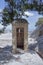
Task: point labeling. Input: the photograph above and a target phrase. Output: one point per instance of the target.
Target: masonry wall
(14, 37)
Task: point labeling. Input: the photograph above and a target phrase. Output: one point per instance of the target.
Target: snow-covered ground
(40, 44)
(29, 58)
(31, 40)
(8, 58)
(5, 39)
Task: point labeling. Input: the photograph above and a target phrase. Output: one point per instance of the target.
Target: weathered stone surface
(16, 25)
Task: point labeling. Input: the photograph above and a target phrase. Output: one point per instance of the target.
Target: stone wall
(14, 37)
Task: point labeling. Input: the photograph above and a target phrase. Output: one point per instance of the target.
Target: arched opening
(20, 38)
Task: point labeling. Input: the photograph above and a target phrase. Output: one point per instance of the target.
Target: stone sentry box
(20, 34)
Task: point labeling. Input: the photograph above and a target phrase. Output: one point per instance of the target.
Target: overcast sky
(32, 19)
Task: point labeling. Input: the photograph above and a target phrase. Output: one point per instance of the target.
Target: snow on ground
(6, 36)
(31, 40)
(14, 63)
(28, 58)
(5, 39)
(31, 59)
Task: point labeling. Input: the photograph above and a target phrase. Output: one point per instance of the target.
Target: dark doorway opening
(20, 38)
